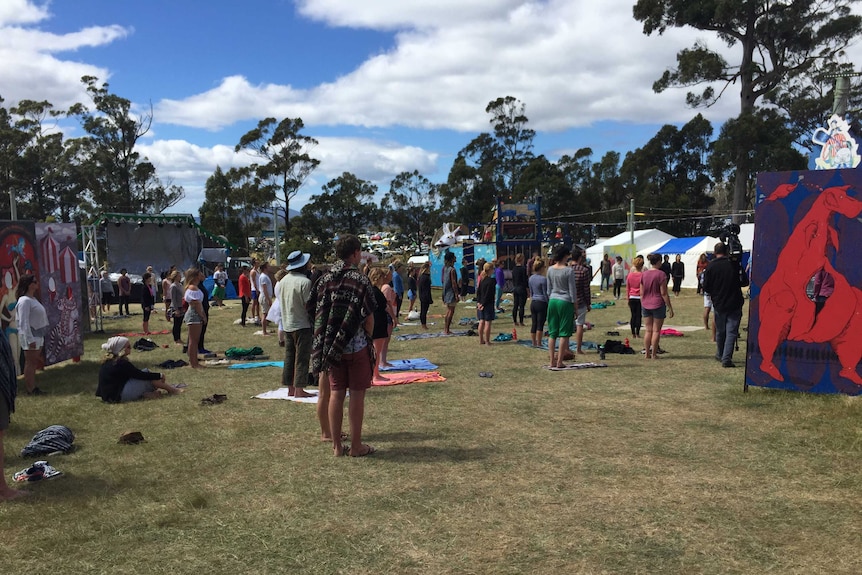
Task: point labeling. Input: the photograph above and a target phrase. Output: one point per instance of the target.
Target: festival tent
(746, 236)
(642, 239)
(689, 249)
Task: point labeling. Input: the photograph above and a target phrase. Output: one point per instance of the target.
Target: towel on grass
(427, 335)
(684, 327)
(253, 364)
(410, 365)
(669, 331)
(409, 377)
(281, 393)
(572, 344)
(585, 365)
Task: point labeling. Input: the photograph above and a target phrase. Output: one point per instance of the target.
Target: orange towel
(409, 377)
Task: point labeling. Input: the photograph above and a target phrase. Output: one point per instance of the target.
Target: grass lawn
(661, 466)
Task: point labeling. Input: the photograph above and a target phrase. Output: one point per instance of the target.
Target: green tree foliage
(777, 41)
(670, 175)
(544, 178)
(513, 142)
(286, 152)
(235, 204)
(412, 204)
(469, 193)
(115, 175)
(345, 206)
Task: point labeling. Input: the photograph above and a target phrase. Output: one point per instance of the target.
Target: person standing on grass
(723, 280)
(292, 294)
(343, 309)
(485, 294)
(423, 286)
(520, 291)
(619, 272)
(265, 290)
(412, 287)
(195, 315)
(500, 278)
(205, 303)
(707, 309)
(450, 290)
(605, 268)
(107, 289)
(655, 305)
(148, 300)
(702, 262)
(465, 280)
(665, 267)
(397, 284)
(382, 319)
(538, 302)
(32, 329)
(391, 317)
(677, 274)
(244, 292)
(8, 393)
(633, 294)
(254, 277)
(175, 298)
(219, 285)
(561, 304)
(166, 292)
(582, 305)
(124, 287)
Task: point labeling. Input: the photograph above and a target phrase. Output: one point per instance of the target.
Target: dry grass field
(648, 467)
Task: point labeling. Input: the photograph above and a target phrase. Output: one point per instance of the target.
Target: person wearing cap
(120, 381)
(292, 294)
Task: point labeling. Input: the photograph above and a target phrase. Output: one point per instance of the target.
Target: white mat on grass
(281, 393)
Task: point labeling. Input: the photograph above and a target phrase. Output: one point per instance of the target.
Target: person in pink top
(655, 305)
(633, 294)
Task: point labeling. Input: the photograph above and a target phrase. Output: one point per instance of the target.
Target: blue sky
(385, 85)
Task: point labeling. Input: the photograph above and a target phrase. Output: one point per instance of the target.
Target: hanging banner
(17, 258)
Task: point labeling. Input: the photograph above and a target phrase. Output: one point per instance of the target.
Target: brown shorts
(354, 371)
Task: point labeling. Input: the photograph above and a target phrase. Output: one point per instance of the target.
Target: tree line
(790, 54)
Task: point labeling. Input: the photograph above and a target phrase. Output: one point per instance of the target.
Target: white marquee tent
(643, 239)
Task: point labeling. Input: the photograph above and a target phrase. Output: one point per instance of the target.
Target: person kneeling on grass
(120, 381)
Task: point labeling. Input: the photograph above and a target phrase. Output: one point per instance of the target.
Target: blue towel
(419, 364)
(257, 364)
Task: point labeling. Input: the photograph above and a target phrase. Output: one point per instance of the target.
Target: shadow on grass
(402, 437)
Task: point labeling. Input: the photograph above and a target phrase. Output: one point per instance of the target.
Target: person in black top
(677, 273)
(148, 300)
(412, 288)
(665, 267)
(465, 280)
(723, 281)
(423, 286)
(120, 381)
(519, 290)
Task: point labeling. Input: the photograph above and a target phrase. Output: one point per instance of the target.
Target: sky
(384, 86)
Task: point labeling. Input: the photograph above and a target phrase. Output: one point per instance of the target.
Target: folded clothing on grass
(409, 377)
(410, 365)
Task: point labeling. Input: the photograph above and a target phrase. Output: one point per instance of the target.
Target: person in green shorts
(561, 303)
(219, 285)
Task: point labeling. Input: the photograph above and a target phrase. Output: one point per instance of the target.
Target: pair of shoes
(203, 351)
(728, 364)
(37, 391)
(214, 399)
(486, 374)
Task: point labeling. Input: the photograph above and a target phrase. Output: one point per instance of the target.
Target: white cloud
(189, 165)
(32, 68)
(572, 62)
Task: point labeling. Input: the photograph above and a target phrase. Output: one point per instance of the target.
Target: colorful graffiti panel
(60, 290)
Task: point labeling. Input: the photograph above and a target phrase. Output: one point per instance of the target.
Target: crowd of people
(336, 324)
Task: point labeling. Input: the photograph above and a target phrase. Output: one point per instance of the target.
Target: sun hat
(296, 260)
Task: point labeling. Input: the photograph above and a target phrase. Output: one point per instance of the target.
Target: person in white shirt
(219, 285)
(32, 329)
(265, 291)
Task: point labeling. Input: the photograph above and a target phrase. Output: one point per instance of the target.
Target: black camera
(729, 236)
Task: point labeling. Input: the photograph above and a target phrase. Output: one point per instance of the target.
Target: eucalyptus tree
(778, 41)
(346, 205)
(286, 153)
(412, 204)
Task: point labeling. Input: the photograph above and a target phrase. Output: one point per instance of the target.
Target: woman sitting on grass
(120, 381)
(485, 294)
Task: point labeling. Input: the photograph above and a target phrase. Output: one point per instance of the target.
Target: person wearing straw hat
(292, 294)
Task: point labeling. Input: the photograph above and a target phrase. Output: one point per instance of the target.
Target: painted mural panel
(60, 290)
(17, 258)
(805, 317)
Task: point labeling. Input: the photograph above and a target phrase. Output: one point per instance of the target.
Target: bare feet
(580, 352)
(174, 390)
(379, 377)
(302, 393)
